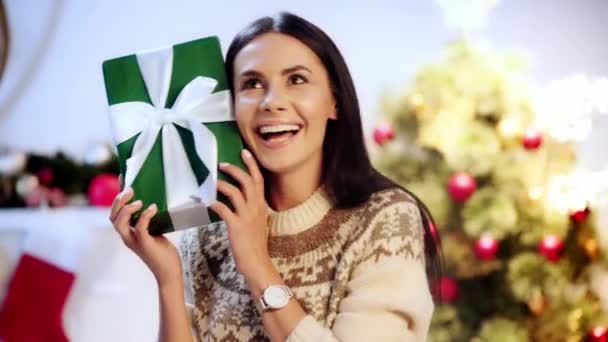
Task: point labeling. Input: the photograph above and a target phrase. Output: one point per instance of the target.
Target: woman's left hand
(248, 223)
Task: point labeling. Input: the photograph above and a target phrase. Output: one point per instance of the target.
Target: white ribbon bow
(195, 104)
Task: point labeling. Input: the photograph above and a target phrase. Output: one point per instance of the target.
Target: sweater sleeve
(184, 250)
(387, 296)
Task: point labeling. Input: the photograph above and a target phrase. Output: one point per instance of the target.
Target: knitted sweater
(358, 273)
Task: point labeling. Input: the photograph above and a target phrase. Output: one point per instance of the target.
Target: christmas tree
(518, 236)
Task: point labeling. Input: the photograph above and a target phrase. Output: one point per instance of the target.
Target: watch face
(276, 297)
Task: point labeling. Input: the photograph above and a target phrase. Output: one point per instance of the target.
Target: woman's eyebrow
(295, 68)
(255, 73)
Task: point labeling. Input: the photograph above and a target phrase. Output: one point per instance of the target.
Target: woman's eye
(251, 83)
(297, 79)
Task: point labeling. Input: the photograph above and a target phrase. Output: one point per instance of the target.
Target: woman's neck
(290, 189)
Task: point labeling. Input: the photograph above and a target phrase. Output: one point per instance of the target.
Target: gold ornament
(509, 128)
(592, 248)
(416, 102)
(537, 304)
(535, 193)
(586, 240)
(574, 319)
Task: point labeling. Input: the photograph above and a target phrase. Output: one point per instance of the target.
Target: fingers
(141, 228)
(121, 224)
(242, 177)
(254, 170)
(119, 201)
(223, 211)
(233, 193)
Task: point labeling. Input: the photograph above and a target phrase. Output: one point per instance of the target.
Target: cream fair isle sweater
(359, 273)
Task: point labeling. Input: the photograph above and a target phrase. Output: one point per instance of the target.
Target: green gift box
(172, 122)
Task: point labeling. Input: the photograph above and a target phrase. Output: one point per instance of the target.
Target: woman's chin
(276, 166)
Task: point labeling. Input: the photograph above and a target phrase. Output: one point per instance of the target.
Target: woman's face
(283, 100)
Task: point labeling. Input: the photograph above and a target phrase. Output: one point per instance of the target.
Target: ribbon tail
(183, 203)
(141, 149)
(156, 68)
(180, 180)
(206, 149)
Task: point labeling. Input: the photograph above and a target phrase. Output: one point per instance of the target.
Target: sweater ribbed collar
(301, 217)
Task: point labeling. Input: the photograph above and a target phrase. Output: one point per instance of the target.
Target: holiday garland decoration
(517, 228)
(35, 180)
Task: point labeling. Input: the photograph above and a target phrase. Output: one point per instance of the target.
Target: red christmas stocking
(36, 295)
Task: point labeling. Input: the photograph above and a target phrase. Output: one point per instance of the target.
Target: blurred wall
(53, 96)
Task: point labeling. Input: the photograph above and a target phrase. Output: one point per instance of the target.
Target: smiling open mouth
(277, 132)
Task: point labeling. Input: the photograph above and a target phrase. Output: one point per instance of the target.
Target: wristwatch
(274, 297)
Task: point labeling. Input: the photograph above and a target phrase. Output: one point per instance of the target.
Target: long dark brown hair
(344, 144)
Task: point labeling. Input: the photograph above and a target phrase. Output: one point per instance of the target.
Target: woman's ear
(334, 113)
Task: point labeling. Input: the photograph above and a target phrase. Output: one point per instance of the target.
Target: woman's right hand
(157, 252)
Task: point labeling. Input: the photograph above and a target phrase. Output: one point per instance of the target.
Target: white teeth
(278, 128)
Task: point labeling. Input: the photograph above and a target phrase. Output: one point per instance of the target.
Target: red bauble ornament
(102, 190)
(486, 247)
(447, 289)
(461, 186)
(551, 247)
(57, 198)
(383, 133)
(45, 176)
(36, 197)
(532, 139)
(598, 334)
(580, 216)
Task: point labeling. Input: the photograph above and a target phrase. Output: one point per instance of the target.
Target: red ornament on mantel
(486, 247)
(551, 247)
(36, 197)
(532, 139)
(102, 190)
(461, 186)
(598, 334)
(580, 216)
(383, 133)
(45, 176)
(57, 198)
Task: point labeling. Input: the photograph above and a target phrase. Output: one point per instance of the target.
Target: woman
(319, 245)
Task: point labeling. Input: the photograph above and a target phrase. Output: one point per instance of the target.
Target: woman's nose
(274, 100)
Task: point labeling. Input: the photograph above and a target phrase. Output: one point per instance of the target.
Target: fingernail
(126, 192)
(224, 164)
(247, 154)
(136, 203)
(152, 207)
